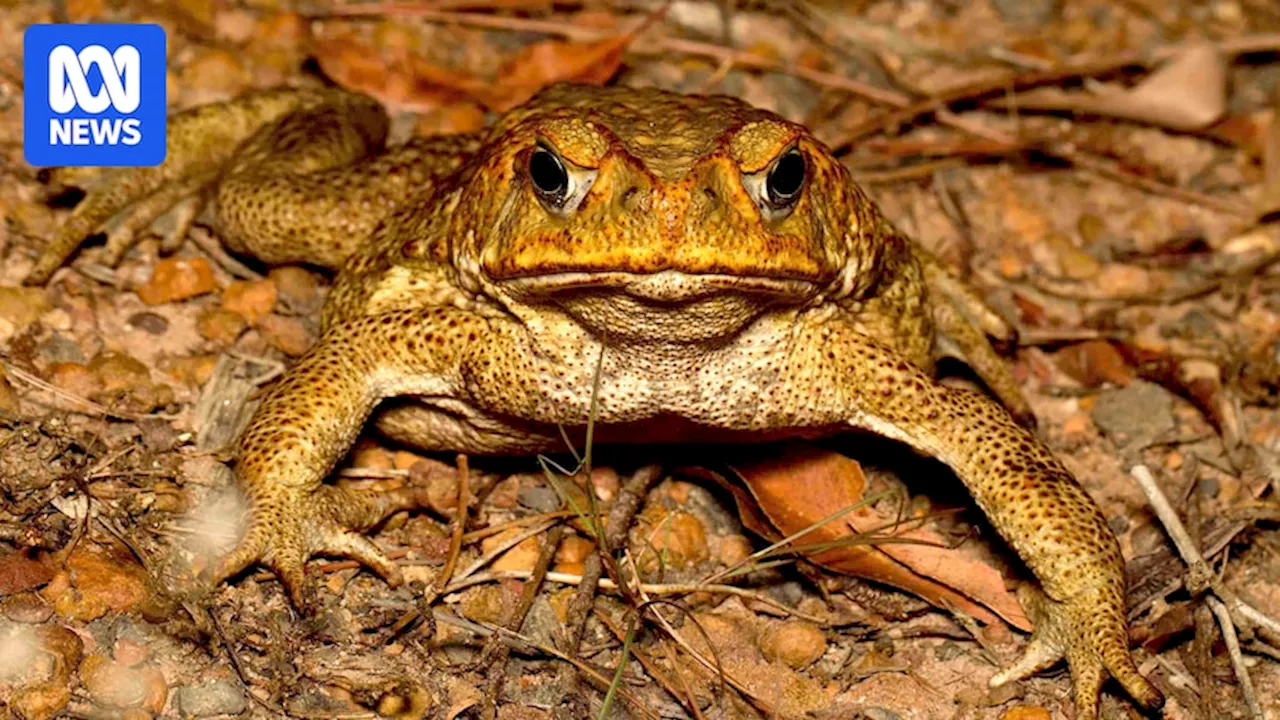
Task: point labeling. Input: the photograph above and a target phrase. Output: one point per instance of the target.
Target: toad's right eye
(549, 176)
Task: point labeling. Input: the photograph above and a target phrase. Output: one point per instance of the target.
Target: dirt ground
(1107, 172)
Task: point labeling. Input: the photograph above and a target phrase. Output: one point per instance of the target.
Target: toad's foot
(1091, 638)
(292, 524)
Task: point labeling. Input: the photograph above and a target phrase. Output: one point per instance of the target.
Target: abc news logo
(69, 89)
(94, 95)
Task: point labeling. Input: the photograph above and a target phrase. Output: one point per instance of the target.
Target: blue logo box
(94, 94)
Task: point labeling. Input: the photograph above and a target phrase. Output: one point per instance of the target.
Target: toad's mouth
(666, 286)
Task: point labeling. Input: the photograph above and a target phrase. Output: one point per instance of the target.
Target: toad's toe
(292, 525)
(1089, 631)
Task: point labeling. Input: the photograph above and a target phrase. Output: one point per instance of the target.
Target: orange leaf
(19, 572)
(944, 576)
(396, 78)
(554, 61)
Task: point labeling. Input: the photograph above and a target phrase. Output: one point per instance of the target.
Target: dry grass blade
(517, 640)
(625, 656)
(783, 544)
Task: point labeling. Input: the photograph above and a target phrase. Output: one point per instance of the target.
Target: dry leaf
(19, 572)
(554, 61)
(944, 576)
(398, 79)
(1094, 362)
(1187, 93)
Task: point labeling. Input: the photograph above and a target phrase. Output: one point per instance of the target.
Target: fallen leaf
(1187, 93)
(398, 79)
(1094, 362)
(554, 61)
(925, 566)
(20, 572)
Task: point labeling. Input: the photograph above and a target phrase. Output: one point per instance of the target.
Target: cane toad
(721, 267)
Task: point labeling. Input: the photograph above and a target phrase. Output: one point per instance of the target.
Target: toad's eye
(549, 176)
(786, 179)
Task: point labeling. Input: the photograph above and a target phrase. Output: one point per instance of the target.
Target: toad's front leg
(1029, 496)
(309, 420)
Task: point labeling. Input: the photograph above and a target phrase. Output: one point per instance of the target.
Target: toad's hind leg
(296, 175)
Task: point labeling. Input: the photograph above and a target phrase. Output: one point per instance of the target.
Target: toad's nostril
(633, 198)
(710, 192)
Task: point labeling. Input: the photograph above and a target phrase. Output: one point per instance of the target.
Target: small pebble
(149, 322)
(117, 685)
(733, 549)
(22, 306)
(286, 334)
(539, 498)
(484, 603)
(220, 326)
(251, 300)
(211, 698)
(521, 557)
(75, 378)
(795, 643)
(299, 289)
(26, 607)
(678, 536)
(59, 348)
(574, 548)
(177, 279)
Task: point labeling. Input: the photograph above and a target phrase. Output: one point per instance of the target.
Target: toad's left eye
(786, 179)
(549, 176)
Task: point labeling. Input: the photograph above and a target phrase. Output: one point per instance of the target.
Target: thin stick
(459, 526)
(516, 640)
(649, 588)
(496, 674)
(1237, 658)
(1201, 577)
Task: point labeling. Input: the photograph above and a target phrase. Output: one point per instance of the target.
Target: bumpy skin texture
(469, 314)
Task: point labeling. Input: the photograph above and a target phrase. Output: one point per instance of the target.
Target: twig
(1066, 151)
(502, 547)
(207, 244)
(1017, 81)
(1201, 656)
(690, 703)
(18, 373)
(650, 588)
(1200, 578)
(459, 526)
(517, 640)
(620, 515)
(1237, 658)
(497, 671)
